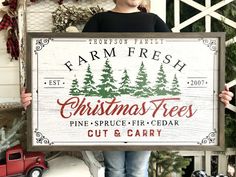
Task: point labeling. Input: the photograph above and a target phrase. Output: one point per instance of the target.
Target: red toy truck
(18, 162)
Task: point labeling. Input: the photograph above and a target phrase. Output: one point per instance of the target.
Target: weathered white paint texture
(193, 61)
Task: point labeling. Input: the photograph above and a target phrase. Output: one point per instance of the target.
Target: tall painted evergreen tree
(160, 85)
(107, 89)
(142, 88)
(125, 87)
(74, 90)
(175, 87)
(89, 89)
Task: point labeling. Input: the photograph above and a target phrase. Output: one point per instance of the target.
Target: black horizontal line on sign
(58, 40)
(196, 87)
(53, 87)
(197, 77)
(53, 77)
(181, 40)
(66, 142)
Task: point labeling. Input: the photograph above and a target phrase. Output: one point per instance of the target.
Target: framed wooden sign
(125, 91)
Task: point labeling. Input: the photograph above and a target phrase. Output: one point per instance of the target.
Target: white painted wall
(9, 73)
(159, 7)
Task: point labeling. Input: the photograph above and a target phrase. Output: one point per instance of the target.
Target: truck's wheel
(35, 172)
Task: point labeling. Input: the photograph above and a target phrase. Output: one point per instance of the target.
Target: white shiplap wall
(9, 74)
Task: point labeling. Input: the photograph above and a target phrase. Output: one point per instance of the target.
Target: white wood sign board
(126, 91)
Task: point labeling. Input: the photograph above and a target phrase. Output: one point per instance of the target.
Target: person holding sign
(226, 96)
(126, 17)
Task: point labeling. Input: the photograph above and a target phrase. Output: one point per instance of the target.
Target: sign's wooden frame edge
(221, 75)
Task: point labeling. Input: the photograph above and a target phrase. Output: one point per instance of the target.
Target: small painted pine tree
(125, 87)
(74, 90)
(107, 89)
(175, 87)
(142, 89)
(89, 89)
(160, 85)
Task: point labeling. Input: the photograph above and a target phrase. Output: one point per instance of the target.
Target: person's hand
(25, 98)
(226, 96)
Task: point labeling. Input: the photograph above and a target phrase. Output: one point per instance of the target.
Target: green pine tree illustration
(107, 89)
(89, 89)
(74, 90)
(160, 84)
(175, 87)
(142, 89)
(125, 87)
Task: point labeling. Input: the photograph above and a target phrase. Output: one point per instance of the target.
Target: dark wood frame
(221, 75)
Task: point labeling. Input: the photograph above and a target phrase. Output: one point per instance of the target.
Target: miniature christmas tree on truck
(19, 162)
